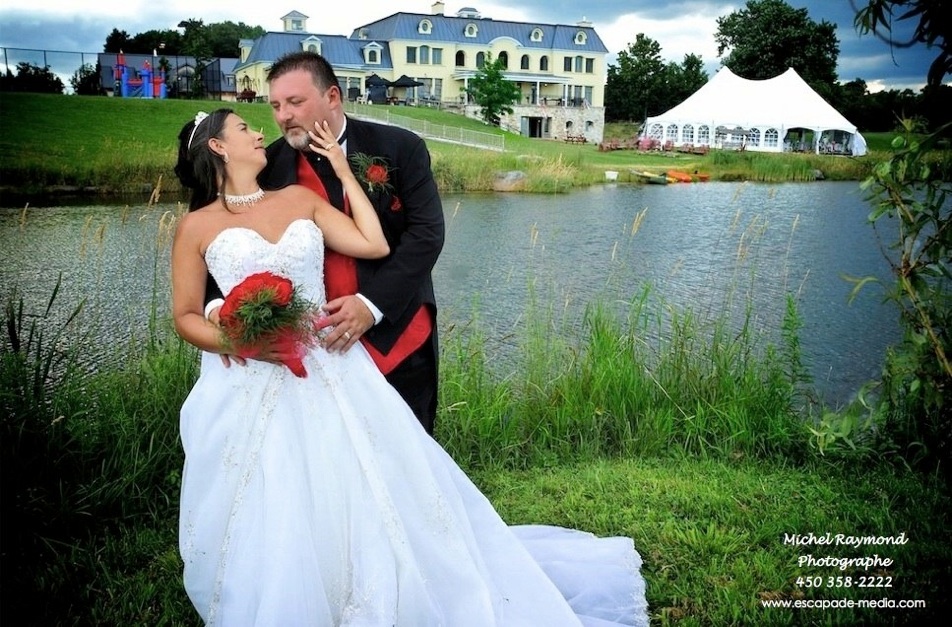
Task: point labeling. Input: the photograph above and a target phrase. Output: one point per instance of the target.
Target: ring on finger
(328, 146)
(347, 335)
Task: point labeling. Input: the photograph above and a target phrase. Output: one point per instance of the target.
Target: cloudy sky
(679, 26)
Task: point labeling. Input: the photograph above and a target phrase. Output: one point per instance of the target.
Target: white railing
(426, 129)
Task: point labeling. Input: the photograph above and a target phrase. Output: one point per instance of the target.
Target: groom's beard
(297, 138)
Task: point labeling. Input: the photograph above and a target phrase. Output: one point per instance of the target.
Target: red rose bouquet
(265, 310)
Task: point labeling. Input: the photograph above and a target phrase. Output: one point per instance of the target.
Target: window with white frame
(544, 64)
(471, 30)
(581, 38)
(411, 54)
(312, 44)
(524, 62)
(536, 34)
(436, 56)
(753, 139)
(372, 53)
(425, 55)
(425, 27)
(771, 138)
(704, 135)
(687, 134)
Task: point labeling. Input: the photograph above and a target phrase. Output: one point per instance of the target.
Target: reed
(658, 379)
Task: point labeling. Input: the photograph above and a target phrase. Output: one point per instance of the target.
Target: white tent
(771, 115)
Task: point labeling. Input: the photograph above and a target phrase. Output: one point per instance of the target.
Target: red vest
(340, 279)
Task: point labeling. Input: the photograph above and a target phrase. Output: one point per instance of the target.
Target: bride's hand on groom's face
(324, 143)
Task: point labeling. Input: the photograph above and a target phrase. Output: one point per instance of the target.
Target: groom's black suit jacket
(399, 283)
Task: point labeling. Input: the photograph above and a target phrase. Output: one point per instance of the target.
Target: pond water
(709, 247)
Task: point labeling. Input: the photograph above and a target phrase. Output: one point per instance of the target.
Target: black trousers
(416, 380)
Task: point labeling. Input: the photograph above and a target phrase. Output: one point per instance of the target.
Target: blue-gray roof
(338, 49)
(451, 29)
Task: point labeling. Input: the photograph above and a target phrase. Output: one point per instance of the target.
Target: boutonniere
(371, 171)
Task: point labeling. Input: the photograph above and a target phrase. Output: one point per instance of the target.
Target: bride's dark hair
(198, 167)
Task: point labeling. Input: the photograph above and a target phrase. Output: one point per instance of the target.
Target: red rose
(377, 174)
(395, 204)
(283, 290)
(263, 310)
(227, 312)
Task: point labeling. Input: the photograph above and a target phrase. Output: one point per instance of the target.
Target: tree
(33, 78)
(223, 37)
(635, 86)
(681, 81)
(117, 41)
(169, 41)
(914, 413)
(85, 80)
(492, 92)
(767, 37)
(934, 27)
(196, 45)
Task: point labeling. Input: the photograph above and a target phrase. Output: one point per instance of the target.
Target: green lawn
(129, 146)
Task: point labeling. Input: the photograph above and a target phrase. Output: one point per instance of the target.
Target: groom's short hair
(318, 67)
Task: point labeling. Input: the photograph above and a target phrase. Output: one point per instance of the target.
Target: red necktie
(340, 279)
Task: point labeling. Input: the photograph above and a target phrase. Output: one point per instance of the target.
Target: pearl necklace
(245, 200)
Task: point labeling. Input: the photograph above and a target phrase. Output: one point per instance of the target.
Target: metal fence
(61, 63)
(424, 128)
(65, 65)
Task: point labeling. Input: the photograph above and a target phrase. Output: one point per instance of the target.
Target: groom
(387, 304)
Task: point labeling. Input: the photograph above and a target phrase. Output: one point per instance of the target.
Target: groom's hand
(350, 318)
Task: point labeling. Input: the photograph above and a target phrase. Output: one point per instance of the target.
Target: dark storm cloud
(865, 57)
(72, 34)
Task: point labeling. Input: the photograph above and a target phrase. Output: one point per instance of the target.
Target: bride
(321, 501)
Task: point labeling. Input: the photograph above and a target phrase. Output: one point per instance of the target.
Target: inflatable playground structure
(142, 83)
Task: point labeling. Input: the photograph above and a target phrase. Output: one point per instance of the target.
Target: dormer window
(580, 38)
(373, 53)
(363, 34)
(425, 27)
(312, 44)
(536, 34)
(471, 30)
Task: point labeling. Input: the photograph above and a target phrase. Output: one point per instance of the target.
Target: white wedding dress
(321, 501)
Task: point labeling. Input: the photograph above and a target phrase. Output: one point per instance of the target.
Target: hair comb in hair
(201, 115)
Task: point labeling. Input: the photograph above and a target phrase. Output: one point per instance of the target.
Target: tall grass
(659, 380)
